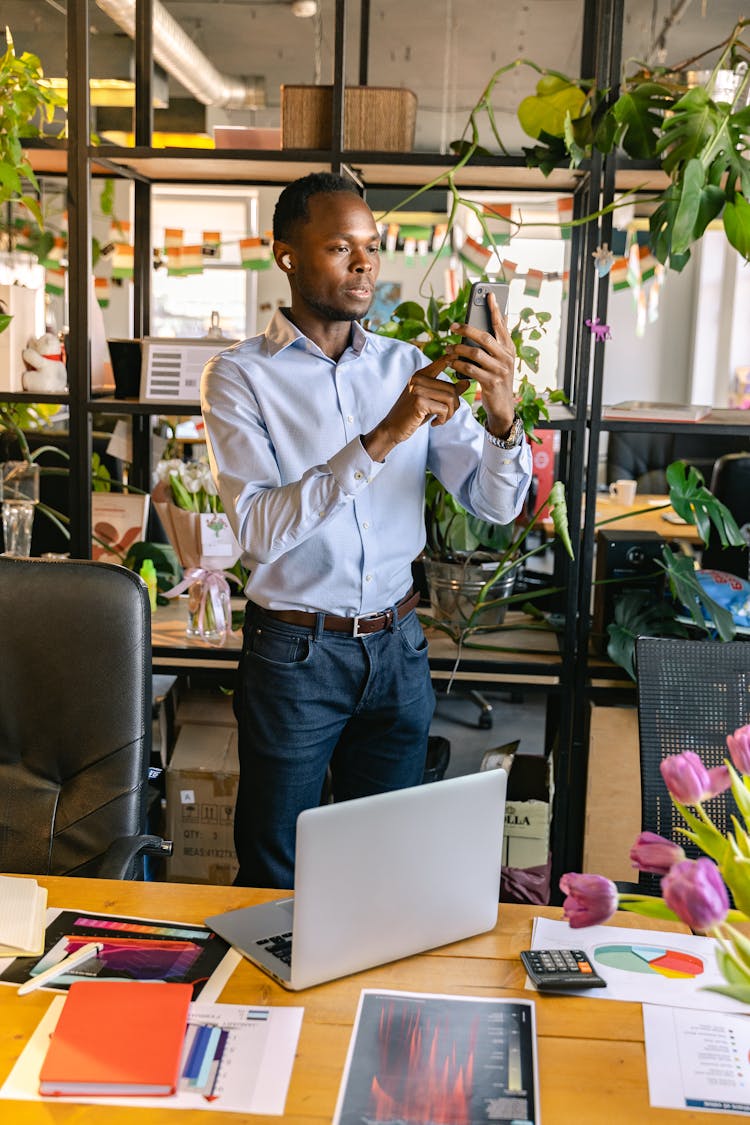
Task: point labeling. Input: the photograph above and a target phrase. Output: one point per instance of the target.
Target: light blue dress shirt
(321, 525)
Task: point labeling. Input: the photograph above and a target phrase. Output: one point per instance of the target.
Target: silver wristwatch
(514, 438)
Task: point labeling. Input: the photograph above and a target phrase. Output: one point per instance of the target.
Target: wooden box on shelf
(378, 118)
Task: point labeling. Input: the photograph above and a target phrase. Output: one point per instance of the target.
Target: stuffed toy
(45, 371)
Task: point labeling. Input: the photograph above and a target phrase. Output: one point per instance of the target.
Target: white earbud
(286, 261)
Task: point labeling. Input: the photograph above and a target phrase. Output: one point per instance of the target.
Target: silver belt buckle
(356, 631)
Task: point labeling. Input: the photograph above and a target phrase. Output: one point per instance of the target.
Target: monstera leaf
(639, 113)
(691, 499)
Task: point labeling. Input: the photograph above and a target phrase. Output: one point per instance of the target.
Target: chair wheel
(484, 722)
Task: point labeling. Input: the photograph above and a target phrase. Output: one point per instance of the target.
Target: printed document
(697, 1060)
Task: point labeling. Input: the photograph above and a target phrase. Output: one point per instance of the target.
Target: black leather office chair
(75, 719)
(644, 457)
(691, 695)
(730, 483)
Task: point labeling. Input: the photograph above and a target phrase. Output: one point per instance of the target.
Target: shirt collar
(281, 333)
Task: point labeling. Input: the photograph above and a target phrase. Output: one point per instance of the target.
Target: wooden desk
(591, 1055)
(650, 519)
(646, 513)
(534, 660)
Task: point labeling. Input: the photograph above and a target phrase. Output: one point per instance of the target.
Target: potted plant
(471, 564)
(25, 103)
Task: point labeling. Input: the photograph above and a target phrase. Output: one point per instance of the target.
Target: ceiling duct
(175, 51)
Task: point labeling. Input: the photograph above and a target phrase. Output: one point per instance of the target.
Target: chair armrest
(118, 862)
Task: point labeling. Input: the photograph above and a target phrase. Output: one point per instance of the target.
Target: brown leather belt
(354, 626)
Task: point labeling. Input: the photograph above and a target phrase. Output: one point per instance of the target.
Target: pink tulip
(719, 780)
(654, 854)
(591, 899)
(688, 780)
(739, 749)
(695, 891)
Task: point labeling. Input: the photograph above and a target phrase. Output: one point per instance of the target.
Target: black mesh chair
(730, 483)
(691, 695)
(75, 719)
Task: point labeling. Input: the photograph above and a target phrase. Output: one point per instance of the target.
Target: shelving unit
(573, 678)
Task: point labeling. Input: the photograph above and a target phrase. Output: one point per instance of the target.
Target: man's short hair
(292, 205)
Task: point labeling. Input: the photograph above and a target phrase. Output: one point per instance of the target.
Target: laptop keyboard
(280, 945)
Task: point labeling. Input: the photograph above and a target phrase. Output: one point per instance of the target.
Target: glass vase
(215, 605)
(19, 489)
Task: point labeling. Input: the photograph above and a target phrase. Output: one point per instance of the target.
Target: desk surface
(591, 1054)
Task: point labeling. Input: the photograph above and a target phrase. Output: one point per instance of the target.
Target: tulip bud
(739, 749)
(695, 891)
(654, 854)
(591, 899)
(688, 780)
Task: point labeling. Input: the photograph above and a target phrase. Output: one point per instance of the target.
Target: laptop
(379, 878)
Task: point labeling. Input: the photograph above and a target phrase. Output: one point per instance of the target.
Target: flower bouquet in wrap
(194, 520)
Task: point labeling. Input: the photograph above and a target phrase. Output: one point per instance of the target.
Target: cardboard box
(212, 708)
(202, 783)
(378, 118)
(613, 793)
(528, 811)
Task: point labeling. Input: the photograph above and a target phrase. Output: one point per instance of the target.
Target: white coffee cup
(623, 491)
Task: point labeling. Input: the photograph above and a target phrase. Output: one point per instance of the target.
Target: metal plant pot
(455, 587)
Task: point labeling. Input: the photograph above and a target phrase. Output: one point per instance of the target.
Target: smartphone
(478, 311)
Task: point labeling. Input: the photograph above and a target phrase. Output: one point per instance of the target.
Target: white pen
(82, 954)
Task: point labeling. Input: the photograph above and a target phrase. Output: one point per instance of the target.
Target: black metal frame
(582, 379)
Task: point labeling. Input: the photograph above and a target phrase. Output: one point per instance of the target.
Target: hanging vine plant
(701, 142)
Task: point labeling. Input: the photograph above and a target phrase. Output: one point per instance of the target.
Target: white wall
(656, 366)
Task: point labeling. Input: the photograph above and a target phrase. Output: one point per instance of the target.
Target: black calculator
(560, 970)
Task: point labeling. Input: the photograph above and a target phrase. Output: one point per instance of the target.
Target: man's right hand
(424, 397)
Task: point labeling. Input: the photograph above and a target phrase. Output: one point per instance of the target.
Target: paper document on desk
(133, 949)
(651, 966)
(697, 1060)
(23, 905)
(236, 1058)
(423, 1058)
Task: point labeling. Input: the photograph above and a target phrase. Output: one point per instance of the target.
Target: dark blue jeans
(307, 698)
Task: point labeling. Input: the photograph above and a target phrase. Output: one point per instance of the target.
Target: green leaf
(547, 110)
(737, 225)
(739, 992)
(687, 589)
(639, 113)
(637, 614)
(409, 310)
(711, 202)
(697, 505)
(648, 907)
(688, 206)
(5, 320)
(559, 512)
(547, 155)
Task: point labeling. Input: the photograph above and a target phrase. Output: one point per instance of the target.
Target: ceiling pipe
(175, 51)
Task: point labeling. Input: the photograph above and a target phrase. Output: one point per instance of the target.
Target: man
(319, 434)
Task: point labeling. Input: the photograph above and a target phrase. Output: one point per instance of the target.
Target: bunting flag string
(474, 254)
(533, 286)
(255, 254)
(102, 291)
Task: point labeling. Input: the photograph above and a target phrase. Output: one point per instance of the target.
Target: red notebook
(117, 1037)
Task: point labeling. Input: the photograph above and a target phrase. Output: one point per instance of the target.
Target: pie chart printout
(650, 959)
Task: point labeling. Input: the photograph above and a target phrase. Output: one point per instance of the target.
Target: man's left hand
(491, 364)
